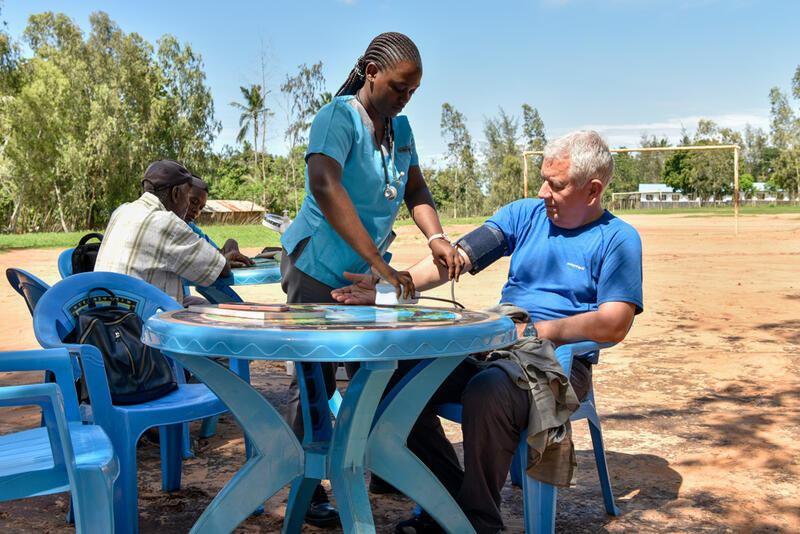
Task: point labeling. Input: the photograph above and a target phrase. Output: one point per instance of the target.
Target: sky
(622, 67)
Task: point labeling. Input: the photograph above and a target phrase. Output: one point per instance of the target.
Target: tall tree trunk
(60, 209)
(294, 184)
(12, 225)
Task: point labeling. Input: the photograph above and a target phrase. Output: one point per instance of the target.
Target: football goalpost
(735, 148)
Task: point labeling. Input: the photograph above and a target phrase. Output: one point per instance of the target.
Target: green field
(256, 235)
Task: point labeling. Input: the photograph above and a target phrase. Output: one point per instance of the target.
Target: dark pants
(495, 411)
(301, 288)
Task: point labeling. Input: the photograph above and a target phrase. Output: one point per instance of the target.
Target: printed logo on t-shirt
(576, 266)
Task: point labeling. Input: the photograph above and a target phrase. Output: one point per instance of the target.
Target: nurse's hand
(401, 280)
(447, 256)
(361, 292)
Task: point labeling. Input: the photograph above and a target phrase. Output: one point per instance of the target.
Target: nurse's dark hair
(386, 50)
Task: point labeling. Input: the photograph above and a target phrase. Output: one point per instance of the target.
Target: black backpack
(84, 255)
(136, 373)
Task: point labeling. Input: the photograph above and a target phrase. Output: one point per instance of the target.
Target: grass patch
(41, 240)
(253, 235)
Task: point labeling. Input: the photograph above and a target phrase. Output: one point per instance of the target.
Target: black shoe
(419, 524)
(379, 486)
(320, 513)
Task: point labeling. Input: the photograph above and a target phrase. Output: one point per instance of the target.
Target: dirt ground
(700, 405)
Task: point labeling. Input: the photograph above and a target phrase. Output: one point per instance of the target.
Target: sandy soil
(700, 405)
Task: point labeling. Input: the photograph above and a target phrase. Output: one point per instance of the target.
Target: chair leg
(94, 502)
(540, 506)
(126, 504)
(209, 426)
(517, 470)
(186, 442)
(171, 441)
(602, 468)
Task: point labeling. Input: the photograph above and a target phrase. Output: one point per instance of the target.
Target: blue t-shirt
(557, 273)
(343, 131)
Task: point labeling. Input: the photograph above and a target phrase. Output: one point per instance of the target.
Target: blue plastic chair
(64, 455)
(65, 263)
(539, 498)
(53, 320)
(27, 285)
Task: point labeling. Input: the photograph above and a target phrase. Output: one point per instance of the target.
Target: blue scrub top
(343, 131)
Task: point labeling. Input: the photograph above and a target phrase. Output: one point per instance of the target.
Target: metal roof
(228, 206)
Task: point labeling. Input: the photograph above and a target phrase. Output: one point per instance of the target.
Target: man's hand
(235, 258)
(361, 292)
(447, 256)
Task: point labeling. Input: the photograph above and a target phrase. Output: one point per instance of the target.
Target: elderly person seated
(149, 238)
(576, 270)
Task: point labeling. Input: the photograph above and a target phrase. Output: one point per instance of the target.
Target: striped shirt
(147, 241)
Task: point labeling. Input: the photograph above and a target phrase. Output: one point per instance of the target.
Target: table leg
(389, 457)
(350, 435)
(280, 456)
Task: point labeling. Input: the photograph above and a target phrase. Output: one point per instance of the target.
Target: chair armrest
(565, 353)
(56, 360)
(94, 372)
(48, 397)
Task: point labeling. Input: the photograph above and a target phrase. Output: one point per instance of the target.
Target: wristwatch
(437, 236)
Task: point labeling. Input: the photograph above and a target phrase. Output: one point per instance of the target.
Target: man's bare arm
(427, 274)
(609, 324)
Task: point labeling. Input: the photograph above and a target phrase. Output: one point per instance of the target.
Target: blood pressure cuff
(483, 246)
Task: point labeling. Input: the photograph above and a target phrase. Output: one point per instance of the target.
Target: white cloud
(629, 134)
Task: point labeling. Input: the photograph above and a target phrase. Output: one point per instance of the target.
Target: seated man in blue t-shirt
(575, 268)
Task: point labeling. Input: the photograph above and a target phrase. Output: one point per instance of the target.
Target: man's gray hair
(588, 154)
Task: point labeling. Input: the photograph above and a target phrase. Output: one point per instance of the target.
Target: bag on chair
(84, 255)
(136, 372)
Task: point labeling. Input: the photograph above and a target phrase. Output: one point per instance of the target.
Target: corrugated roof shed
(228, 206)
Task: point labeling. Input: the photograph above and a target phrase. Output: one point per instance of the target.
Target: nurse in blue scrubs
(362, 164)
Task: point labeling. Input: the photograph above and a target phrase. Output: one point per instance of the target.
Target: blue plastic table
(377, 336)
(265, 271)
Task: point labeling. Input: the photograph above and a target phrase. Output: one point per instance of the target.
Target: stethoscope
(389, 191)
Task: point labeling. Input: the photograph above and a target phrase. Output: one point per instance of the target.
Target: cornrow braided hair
(386, 50)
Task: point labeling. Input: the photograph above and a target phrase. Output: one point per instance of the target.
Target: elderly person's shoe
(320, 513)
(419, 524)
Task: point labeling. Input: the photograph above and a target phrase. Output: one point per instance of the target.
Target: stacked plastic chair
(63, 454)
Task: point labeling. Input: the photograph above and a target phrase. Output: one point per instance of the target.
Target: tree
(503, 163)
(785, 133)
(462, 159)
(91, 113)
(306, 98)
(626, 178)
(254, 112)
(651, 164)
(535, 140)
